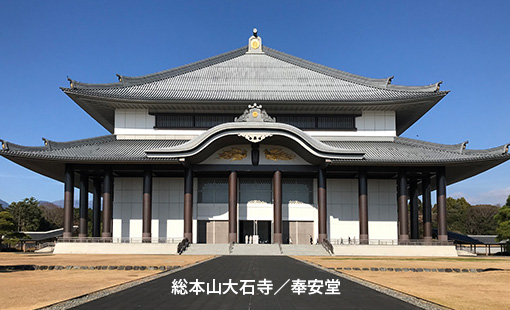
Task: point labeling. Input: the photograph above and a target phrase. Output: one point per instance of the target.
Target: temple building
(255, 144)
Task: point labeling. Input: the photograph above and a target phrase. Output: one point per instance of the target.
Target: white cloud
(493, 197)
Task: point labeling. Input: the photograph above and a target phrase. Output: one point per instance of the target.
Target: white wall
(382, 209)
(376, 123)
(138, 124)
(134, 119)
(343, 216)
(342, 207)
(167, 207)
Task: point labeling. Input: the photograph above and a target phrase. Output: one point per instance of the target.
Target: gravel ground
(102, 293)
(424, 304)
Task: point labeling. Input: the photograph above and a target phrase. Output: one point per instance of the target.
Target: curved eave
(309, 146)
(460, 163)
(49, 160)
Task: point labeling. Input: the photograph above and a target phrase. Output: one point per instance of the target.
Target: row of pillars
(102, 186)
(402, 199)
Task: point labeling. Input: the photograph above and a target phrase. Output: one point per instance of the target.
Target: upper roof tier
(248, 75)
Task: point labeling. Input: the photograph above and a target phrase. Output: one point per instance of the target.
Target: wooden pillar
(188, 204)
(96, 208)
(427, 208)
(442, 230)
(403, 231)
(84, 205)
(363, 206)
(147, 204)
(413, 192)
(68, 200)
(321, 197)
(277, 207)
(107, 203)
(232, 207)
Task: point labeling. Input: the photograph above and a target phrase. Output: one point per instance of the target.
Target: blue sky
(466, 44)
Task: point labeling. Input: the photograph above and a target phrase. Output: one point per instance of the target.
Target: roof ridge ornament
(5, 145)
(463, 146)
(255, 113)
(255, 43)
(438, 85)
(71, 82)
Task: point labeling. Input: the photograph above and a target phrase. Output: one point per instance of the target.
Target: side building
(255, 143)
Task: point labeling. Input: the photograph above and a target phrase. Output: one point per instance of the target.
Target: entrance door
(264, 231)
(246, 228)
(250, 228)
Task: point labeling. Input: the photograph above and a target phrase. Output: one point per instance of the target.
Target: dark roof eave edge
(74, 160)
(418, 100)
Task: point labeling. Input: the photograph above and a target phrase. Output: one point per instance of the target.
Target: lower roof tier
(380, 155)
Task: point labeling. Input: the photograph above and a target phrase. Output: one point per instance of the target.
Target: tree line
(31, 215)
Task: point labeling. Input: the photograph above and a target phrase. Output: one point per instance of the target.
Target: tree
(53, 214)
(455, 214)
(26, 214)
(8, 235)
(6, 223)
(503, 220)
(480, 220)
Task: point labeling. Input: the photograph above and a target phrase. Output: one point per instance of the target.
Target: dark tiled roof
(257, 77)
(404, 150)
(472, 239)
(398, 151)
(100, 149)
(485, 239)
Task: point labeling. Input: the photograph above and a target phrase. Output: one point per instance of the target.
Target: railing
(118, 240)
(182, 246)
(355, 241)
(328, 246)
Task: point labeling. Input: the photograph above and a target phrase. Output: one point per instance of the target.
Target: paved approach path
(157, 294)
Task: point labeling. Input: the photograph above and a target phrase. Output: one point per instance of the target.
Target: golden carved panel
(278, 154)
(233, 154)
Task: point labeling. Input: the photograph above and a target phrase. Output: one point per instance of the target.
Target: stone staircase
(207, 249)
(256, 249)
(304, 249)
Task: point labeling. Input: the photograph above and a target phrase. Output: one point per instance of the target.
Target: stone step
(304, 249)
(207, 249)
(256, 249)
